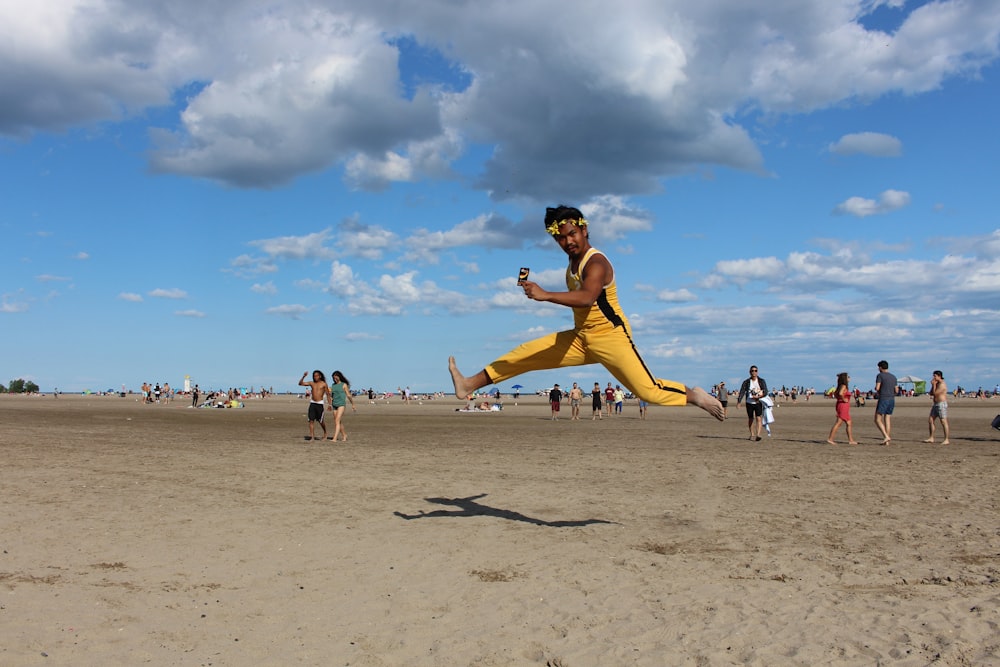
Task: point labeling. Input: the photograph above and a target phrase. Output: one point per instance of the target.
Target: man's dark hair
(884, 365)
(560, 213)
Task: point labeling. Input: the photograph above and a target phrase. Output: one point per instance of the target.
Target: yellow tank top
(605, 312)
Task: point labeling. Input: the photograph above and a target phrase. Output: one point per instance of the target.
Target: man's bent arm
(594, 280)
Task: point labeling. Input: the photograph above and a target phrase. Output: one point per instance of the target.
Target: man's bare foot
(699, 397)
(853, 442)
(930, 440)
(830, 442)
(946, 442)
(462, 390)
(885, 443)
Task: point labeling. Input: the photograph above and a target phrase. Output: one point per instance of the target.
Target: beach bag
(996, 422)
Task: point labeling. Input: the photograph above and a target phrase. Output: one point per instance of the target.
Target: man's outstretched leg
(466, 386)
(553, 350)
(699, 397)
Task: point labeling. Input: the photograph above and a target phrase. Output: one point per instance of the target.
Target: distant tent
(919, 386)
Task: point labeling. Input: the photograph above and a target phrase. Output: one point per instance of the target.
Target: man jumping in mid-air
(600, 335)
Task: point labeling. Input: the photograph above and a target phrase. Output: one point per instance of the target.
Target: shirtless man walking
(575, 396)
(318, 391)
(939, 392)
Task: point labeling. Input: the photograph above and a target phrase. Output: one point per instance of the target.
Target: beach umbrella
(517, 386)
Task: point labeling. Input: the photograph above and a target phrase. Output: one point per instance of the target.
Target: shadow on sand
(469, 507)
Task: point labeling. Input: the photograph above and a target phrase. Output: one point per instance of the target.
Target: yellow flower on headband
(553, 229)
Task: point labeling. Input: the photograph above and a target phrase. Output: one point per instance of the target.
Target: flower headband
(554, 227)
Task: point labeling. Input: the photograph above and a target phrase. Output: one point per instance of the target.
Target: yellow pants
(611, 347)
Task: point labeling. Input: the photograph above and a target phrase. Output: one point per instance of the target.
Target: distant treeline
(19, 386)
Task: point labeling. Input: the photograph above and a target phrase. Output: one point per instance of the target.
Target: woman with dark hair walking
(843, 396)
(340, 394)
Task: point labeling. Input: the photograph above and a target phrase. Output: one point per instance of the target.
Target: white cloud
(362, 335)
(246, 266)
(321, 87)
(868, 143)
(265, 288)
(888, 201)
(372, 173)
(172, 293)
(357, 239)
(9, 306)
(907, 284)
(300, 88)
(310, 284)
(294, 311)
(48, 278)
(308, 246)
(618, 218)
(676, 296)
(342, 281)
(420, 158)
(130, 296)
(491, 231)
(189, 313)
(743, 270)
(81, 256)
(396, 294)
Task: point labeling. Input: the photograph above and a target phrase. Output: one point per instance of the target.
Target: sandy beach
(158, 534)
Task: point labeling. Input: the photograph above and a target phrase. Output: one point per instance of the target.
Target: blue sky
(243, 191)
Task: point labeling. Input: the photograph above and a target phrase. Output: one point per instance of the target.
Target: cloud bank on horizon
(748, 169)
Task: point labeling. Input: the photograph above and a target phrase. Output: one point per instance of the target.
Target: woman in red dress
(843, 397)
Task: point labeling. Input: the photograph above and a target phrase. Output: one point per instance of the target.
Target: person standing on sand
(609, 399)
(318, 391)
(843, 407)
(340, 393)
(723, 395)
(753, 388)
(194, 397)
(596, 405)
(885, 390)
(939, 394)
(575, 396)
(600, 334)
(555, 399)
